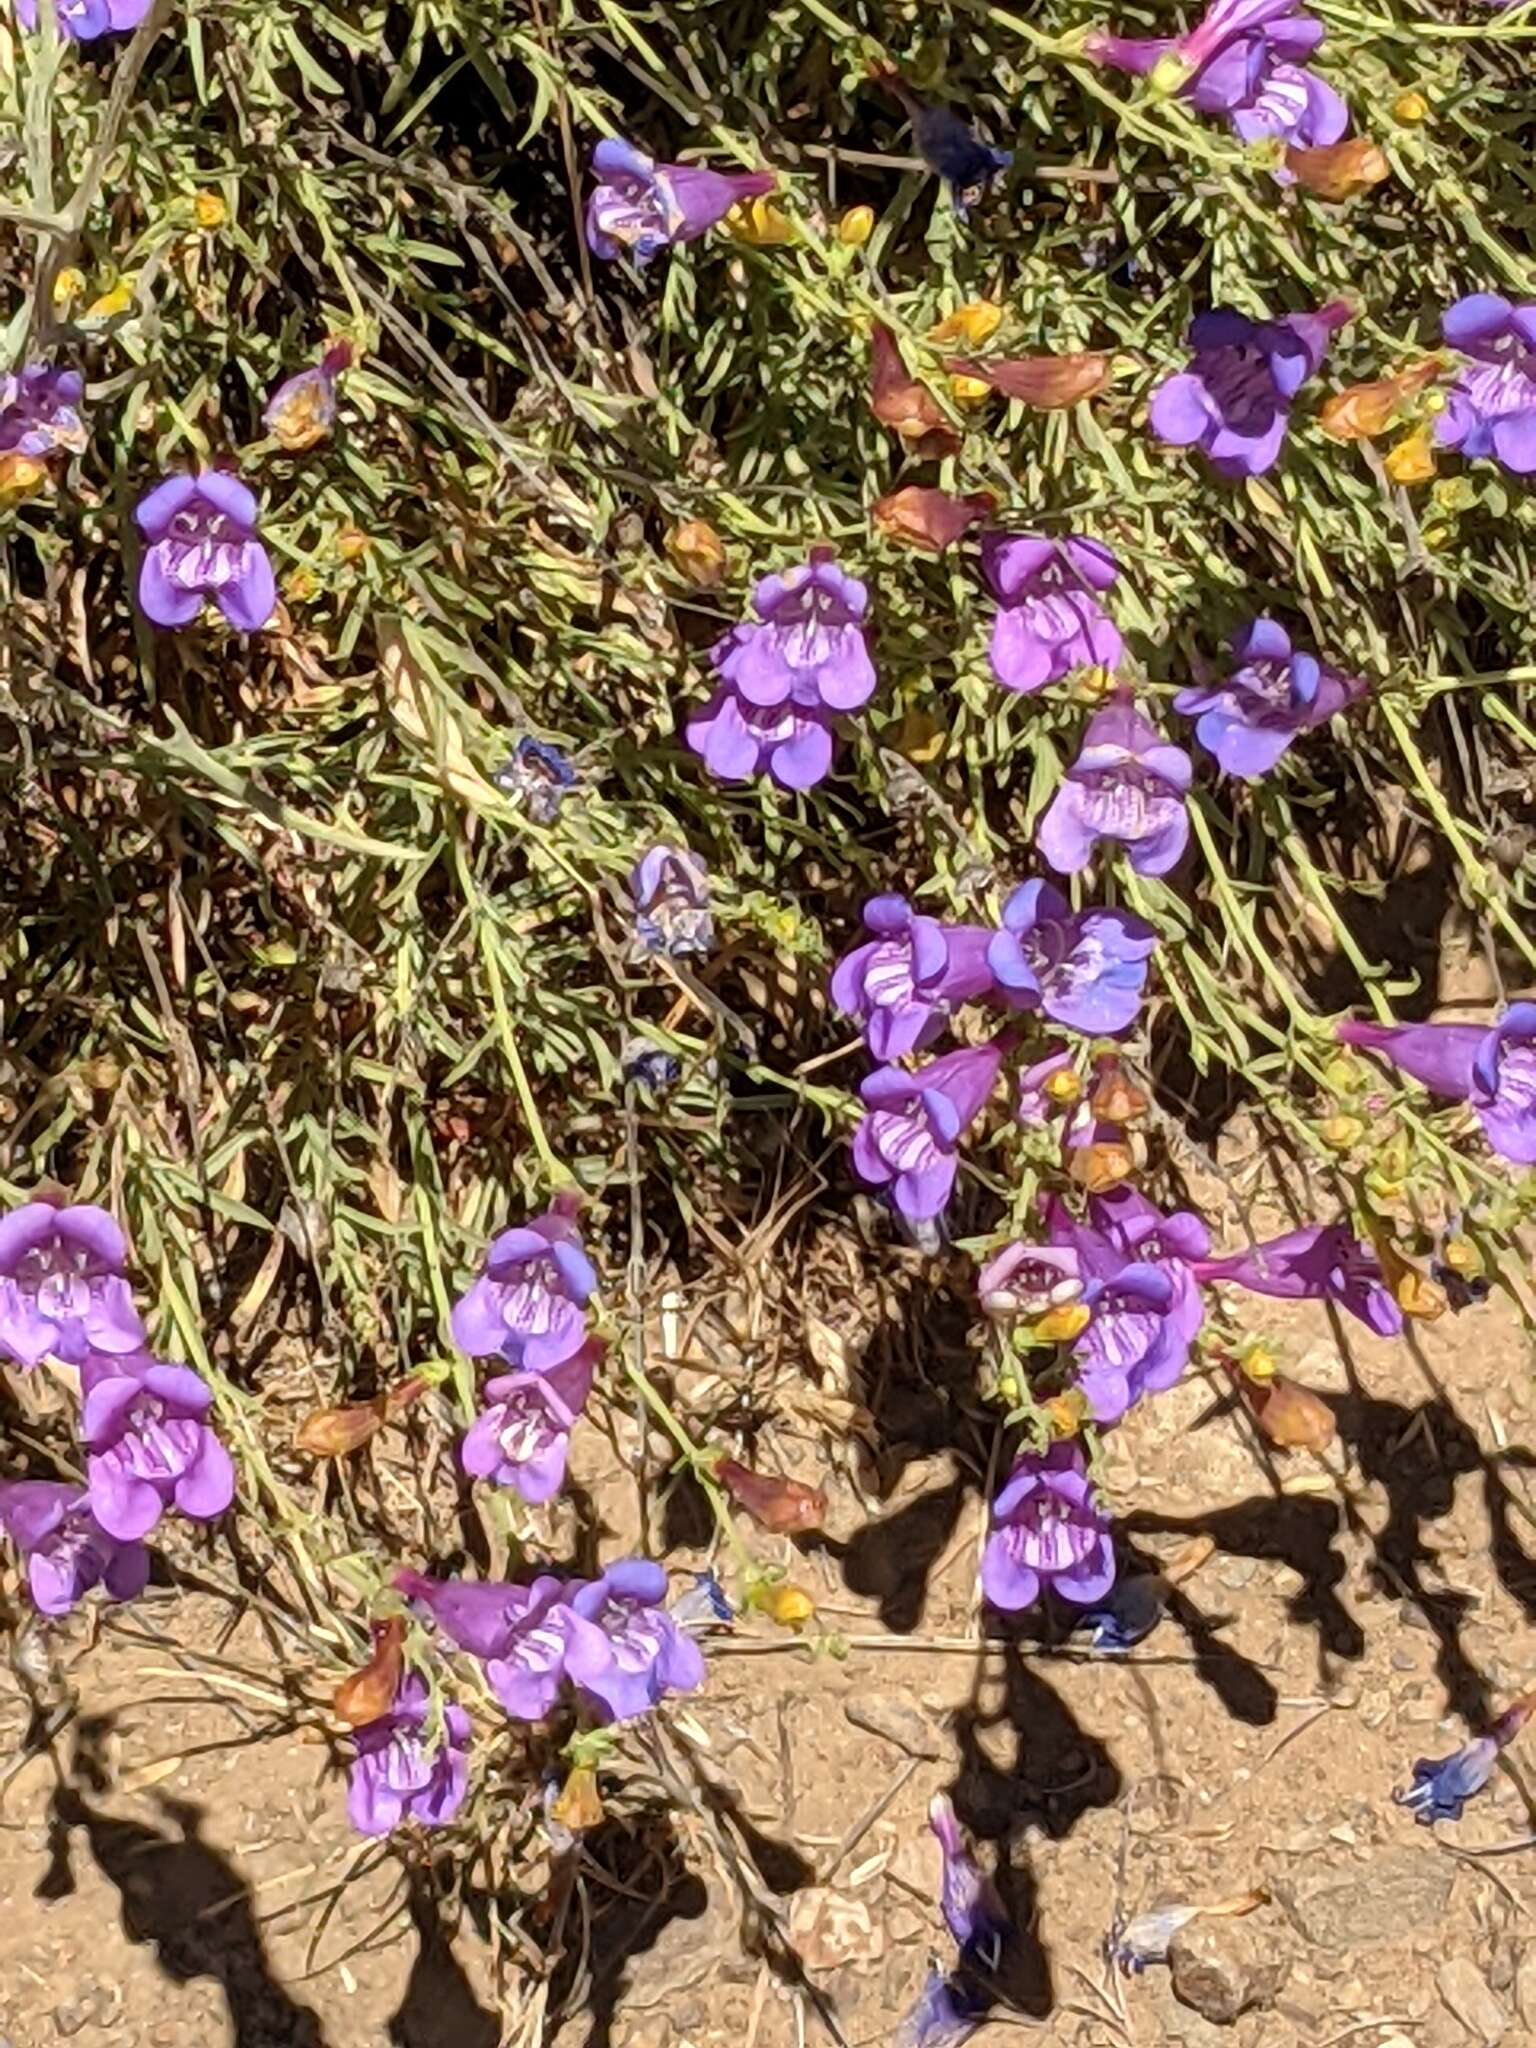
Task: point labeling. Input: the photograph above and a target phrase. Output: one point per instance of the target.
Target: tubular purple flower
(1321, 1262)
(1442, 1788)
(670, 886)
(66, 1549)
(737, 740)
(947, 2012)
(641, 207)
(62, 1291)
(1491, 408)
(528, 1304)
(40, 412)
(82, 21)
(809, 647)
(909, 1140)
(1492, 1067)
(972, 1910)
(1249, 719)
(1146, 1308)
(907, 978)
(522, 1435)
(1050, 621)
(624, 1649)
(1085, 969)
(1048, 1532)
(1128, 784)
(1234, 401)
(1037, 1103)
(397, 1776)
(519, 1633)
(149, 1446)
(202, 544)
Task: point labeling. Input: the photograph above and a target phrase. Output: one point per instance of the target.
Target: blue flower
(1126, 1617)
(1441, 1789)
(538, 777)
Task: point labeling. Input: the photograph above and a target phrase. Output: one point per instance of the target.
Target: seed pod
(1341, 170)
(336, 1432)
(781, 1506)
(1289, 1414)
(370, 1693)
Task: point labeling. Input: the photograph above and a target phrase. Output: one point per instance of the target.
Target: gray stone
(1223, 1968)
(1394, 1894)
(895, 1720)
(1466, 1994)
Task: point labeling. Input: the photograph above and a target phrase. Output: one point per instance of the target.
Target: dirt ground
(170, 1871)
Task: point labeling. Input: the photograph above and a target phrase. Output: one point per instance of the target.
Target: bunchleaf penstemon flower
(904, 981)
(1234, 401)
(201, 535)
(528, 1305)
(522, 1435)
(84, 20)
(623, 1649)
(1319, 1262)
(62, 1290)
(398, 1774)
(1140, 1292)
(670, 887)
(909, 1141)
(1049, 620)
(149, 1445)
(302, 410)
(1491, 1066)
(40, 412)
(67, 1551)
(640, 207)
(1048, 1534)
(1085, 969)
(1441, 1787)
(1128, 785)
(1275, 693)
(519, 1633)
(786, 675)
(1490, 410)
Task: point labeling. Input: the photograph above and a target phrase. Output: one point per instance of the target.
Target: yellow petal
(973, 323)
(210, 210)
(1061, 1324)
(968, 390)
(856, 227)
(1412, 461)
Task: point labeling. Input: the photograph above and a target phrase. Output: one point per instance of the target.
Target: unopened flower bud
(696, 551)
(1409, 109)
(971, 324)
(210, 210)
(370, 1693)
(856, 227)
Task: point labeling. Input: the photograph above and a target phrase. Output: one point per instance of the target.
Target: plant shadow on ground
(184, 1900)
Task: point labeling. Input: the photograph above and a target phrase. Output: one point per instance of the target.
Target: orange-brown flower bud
(370, 1693)
(1046, 383)
(774, 1503)
(920, 517)
(1341, 170)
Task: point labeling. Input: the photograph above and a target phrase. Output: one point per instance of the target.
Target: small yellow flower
(300, 584)
(694, 548)
(1065, 1413)
(1462, 1256)
(67, 287)
(1065, 1086)
(789, 1606)
(1409, 109)
(973, 323)
(352, 543)
(1061, 1324)
(761, 224)
(968, 390)
(1342, 1132)
(856, 227)
(1412, 461)
(210, 210)
(112, 302)
(20, 476)
(1258, 1364)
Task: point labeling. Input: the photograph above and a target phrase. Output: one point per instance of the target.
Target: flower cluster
(144, 1430)
(786, 676)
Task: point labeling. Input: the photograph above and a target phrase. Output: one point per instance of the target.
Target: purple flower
(1127, 1617)
(737, 740)
(202, 543)
(785, 675)
(522, 1435)
(623, 1648)
(1442, 1788)
(908, 1141)
(1127, 784)
(1050, 621)
(904, 981)
(1321, 1262)
(529, 1303)
(302, 410)
(1029, 1280)
(538, 776)
(1085, 969)
(670, 886)
(519, 1633)
(396, 1776)
(1243, 63)
(1491, 408)
(1047, 1531)
(1140, 1289)
(1250, 718)
(62, 1291)
(1492, 1067)
(66, 1549)
(84, 20)
(641, 207)
(40, 412)
(947, 2012)
(1234, 401)
(972, 1909)
(148, 1445)
(1044, 1093)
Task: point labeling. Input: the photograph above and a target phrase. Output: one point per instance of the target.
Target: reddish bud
(370, 1693)
(1289, 1414)
(335, 1432)
(1116, 1099)
(782, 1506)
(920, 517)
(899, 402)
(1047, 383)
(1341, 170)
(1365, 410)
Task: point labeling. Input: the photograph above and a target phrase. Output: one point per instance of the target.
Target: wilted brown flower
(369, 1693)
(1365, 410)
(900, 402)
(921, 517)
(1289, 1414)
(1341, 170)
(774, 1503)
(697, 551)
(1048, 383)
